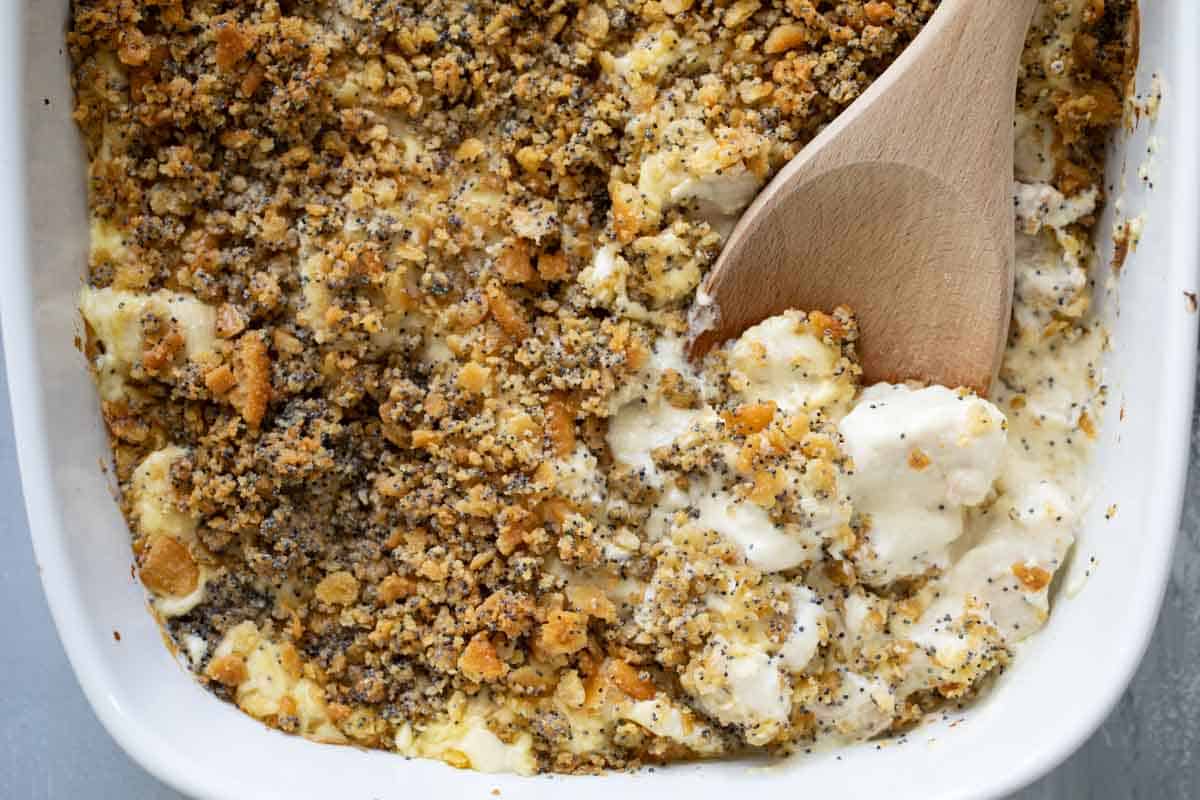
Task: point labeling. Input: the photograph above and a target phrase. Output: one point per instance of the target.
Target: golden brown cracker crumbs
(631, 682)
(1033, 578)
(337, 588)
(227, 670)
(918, 459)
(252, 376)
(479, 661)
(563, 633)
(1087, 425)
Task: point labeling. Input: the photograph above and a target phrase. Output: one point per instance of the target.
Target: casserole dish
(1046, 705)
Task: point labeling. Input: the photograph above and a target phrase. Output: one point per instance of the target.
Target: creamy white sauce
(579, 479)
(1040, 205)
(742, 686)
(804, 635)
(861, 709)
(643, 421)
(644, 426)
(920, 457)
(767, 546)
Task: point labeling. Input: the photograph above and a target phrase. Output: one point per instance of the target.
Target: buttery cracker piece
(507, 314)
(515, 264)
(220, 380)
(479, 660)
(229, 670)
(631, 682)
(560, 428)
(168, 568)
(338, 588)
(552, 266)
(563, 633)
(784, 38)
(1033, 578)
(252, 370)
(395, 587)
(230, 321)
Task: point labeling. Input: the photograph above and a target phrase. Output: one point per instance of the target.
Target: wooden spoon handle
(967, 57)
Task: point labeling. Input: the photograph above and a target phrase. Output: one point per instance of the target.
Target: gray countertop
(51, 745)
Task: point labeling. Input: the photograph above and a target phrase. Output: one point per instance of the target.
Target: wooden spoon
(900, 209)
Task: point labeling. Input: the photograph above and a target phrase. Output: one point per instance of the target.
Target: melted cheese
(115, 318)
(463, 739)
(268, 683)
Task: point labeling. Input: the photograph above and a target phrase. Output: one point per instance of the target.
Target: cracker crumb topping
(384, 303)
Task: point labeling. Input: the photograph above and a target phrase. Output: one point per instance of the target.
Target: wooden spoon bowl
(901, 210)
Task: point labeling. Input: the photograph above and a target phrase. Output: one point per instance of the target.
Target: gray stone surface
(51, 746)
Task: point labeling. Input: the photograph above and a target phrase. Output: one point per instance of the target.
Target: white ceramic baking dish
(1057, 693)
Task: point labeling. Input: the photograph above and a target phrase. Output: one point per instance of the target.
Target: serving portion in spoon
(901, 209)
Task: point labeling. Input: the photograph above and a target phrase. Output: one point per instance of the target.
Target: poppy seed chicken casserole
(386, 307)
